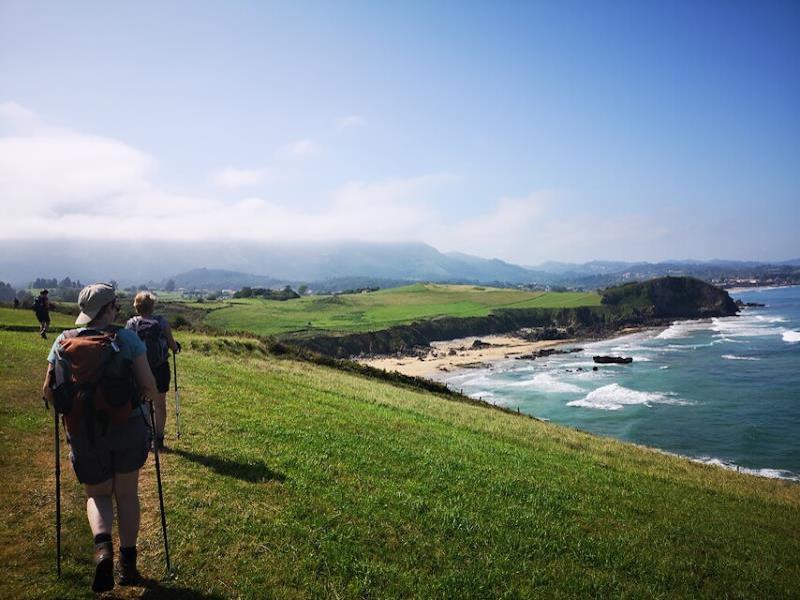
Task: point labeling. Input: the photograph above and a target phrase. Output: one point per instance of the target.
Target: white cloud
(233, 177)
(55, 182)
(349, 121)
(62, 171)
(18, 117)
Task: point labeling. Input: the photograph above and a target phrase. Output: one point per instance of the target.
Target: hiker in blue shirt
(107, 454)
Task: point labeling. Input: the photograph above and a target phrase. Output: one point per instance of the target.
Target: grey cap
(92, 299)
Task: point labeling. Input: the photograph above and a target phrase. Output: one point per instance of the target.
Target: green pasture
(292, 480)
(381, 309)
(24, 319)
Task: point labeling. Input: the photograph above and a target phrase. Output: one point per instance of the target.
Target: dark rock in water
(618, 360)
(546, 352)
(741, 304)
(594, 368)
(477, 344)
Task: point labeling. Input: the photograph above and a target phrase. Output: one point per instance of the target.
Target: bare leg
(99, 508)
(126, 492)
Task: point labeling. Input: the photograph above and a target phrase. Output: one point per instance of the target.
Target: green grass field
(24, 319)
(381, 309)
(298, 481)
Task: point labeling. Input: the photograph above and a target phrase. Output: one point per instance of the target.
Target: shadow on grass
(150, 588)
(155, 589)
(252, 472)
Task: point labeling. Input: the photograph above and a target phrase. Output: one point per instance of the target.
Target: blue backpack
(152, 334)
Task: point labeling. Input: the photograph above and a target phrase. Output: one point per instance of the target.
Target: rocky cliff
(671, 297)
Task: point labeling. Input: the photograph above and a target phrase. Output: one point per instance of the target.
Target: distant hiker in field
(90, 380)
(16, 302)
(156, 334)
(41, 306)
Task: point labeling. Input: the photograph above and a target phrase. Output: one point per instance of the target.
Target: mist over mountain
(234, 264)
(133, 262)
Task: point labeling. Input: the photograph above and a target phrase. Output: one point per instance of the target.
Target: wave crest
(615, 397)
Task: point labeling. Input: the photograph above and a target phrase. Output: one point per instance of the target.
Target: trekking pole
(58, 492)
(177, 396)
(160, 491)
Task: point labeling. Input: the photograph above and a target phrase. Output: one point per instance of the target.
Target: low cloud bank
(58, 182)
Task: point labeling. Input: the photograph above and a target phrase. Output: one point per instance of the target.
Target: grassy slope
(293, 480)
(382, 309)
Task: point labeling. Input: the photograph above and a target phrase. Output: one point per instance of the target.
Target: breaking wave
(682, 329)
(791, 337)
(544, 382)
(615, 397)
(734, 357)
(770, 473)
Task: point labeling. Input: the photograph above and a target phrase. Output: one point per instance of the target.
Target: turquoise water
(724, 391)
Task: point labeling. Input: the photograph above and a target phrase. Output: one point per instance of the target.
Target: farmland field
(381, 309)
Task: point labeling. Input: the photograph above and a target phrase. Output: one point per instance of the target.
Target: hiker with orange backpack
(155, 332)
(96, 377)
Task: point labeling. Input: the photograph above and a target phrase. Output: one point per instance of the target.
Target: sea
(724, 391)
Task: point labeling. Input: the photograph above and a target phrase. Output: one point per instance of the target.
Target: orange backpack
(93, 385)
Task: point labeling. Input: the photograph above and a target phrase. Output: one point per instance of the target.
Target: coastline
(444, 358)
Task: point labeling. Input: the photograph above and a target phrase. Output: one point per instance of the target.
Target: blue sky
(519, 130)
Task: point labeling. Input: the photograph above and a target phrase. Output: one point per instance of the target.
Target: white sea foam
(770, 319)
(770, 473)
(735, 357)
(791, 337)
(615, 397)
(682, 329)
(745, 326)
(663, 367)
(545, 382)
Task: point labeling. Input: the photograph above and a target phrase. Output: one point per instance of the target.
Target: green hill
(348, 313)
(293, 480)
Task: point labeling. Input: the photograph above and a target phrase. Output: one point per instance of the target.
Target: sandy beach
(448, 356)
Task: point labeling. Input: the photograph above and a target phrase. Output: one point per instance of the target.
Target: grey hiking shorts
(122, 450)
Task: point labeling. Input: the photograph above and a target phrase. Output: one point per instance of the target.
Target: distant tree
(68, 294)
(25, 298)
(245, 292)
(65, 283)
(142, 287)
(114, 283)
(302, 290)
(170, 285)
(6, 292)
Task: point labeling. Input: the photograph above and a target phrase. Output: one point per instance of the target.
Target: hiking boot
(128, 573)
(104, 567)
(43, 334)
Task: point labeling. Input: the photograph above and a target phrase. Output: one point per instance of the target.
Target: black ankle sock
(102, 538)
(128, 554)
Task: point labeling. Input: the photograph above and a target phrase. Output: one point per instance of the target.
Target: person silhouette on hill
(42, 306)
(107, 453)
